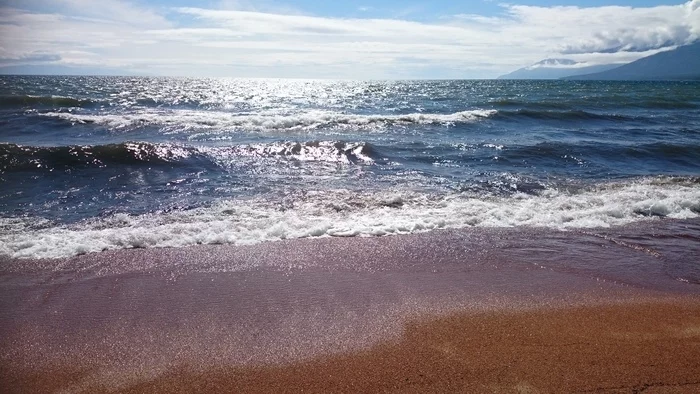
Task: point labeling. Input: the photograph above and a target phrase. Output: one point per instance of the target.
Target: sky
(354, 39)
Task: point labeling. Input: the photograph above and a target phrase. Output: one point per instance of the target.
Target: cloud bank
(238, 40)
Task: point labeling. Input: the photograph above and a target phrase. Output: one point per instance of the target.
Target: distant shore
(471, 310)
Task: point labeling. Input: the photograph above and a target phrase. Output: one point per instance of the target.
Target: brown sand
(651, 347)
(448, 311)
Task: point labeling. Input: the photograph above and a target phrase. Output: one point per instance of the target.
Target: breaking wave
(346, 213)
(29, 158)
(188, 119)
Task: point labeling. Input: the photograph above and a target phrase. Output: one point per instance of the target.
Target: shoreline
(285, 316)
(577, 251)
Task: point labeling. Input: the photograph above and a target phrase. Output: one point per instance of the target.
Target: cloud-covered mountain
(679, 64)
(556, 69)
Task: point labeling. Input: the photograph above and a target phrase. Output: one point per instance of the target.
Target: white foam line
(187, 119)
(343, 213)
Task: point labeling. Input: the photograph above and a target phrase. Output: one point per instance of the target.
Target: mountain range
(555, 69)
(682, 63)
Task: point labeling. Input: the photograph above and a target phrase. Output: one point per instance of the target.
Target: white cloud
(265, 6)
(29, 58)
(117, 11)
(245, 38)
(610, 29)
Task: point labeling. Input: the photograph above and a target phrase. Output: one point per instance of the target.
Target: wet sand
(651, 346)
(452, 311)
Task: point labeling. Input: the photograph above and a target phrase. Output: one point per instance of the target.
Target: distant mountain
(555, 69)
(681, 63)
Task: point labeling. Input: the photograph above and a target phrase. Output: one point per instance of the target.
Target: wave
(30, 158)
(346, 213)
(325, 151)
(14, 158)
(18, 158)
(28, 101)
(678, 153)
(602, 102)
(666, 104)
(570, 115)
(187, 119)
(546, 105)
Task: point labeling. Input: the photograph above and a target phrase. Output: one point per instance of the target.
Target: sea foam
(193, 119)
(346, 213)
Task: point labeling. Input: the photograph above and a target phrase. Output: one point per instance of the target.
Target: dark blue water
(93, 163)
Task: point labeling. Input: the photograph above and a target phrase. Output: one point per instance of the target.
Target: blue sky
(418, 10)
(333, 39)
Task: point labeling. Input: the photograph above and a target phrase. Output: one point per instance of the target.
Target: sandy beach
(650, 347)
(450, 311)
